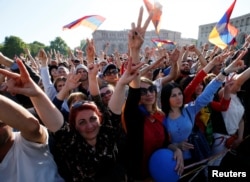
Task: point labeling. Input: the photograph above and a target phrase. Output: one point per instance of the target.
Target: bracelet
(223, 72)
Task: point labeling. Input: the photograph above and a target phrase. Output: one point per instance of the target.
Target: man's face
(111, 76)
(62, 72)
(185, 68)
(102, 65)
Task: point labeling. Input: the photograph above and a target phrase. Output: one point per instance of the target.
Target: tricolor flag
(161, 42)
(91, 21)
(156, 8)
(223, 34)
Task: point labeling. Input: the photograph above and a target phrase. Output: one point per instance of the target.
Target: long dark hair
(166, 94)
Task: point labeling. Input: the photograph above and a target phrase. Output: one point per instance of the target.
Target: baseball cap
(108, 67)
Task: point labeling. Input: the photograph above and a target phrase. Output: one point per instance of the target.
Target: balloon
(161, 166)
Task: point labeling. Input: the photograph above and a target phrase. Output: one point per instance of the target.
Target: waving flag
(157, 12)
(223, 34)
(91, 21)
(160, 42)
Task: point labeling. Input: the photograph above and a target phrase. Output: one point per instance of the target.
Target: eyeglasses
(108, 92)
(108, 73)
(151, 89)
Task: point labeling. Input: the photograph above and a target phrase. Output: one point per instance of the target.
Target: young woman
(143, 119)
(179, 119)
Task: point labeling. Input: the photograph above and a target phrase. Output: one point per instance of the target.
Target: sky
(34, 20)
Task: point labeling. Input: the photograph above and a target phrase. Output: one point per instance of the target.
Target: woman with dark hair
(143, 119)
(180, 118)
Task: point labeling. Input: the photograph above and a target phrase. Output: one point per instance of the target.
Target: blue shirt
(180, 128)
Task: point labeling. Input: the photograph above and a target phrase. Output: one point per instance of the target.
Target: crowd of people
(90, 117)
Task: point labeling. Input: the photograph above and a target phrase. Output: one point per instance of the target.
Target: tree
(35, 47)
(1, 47)
(59, 45)
(13, 46)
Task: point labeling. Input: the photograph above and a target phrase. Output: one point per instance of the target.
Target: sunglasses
(108, 92)
(80, 103)
(76, 61)
(151, 89)
(108, 73)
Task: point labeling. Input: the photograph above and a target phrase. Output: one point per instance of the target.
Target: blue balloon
(161, 166)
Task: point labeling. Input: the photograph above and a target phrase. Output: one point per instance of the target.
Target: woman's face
(148, 96)
(106, 93)
(54, 73)
(60, 85)
(176, 98)
(87, 123)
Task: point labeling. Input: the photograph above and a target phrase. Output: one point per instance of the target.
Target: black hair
(166, 94)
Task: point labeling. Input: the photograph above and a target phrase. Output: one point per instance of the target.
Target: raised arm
(118, 98)
(93, 82)
(201, 58)
(5, 60)
(32, 60)
(23, 84)
(90, 51)
(174, 67)
(135, 41)
(21, 119)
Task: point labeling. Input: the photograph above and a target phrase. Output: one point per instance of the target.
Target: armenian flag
(224, 33)
(91, 21)
(156, 8)
(160, 42)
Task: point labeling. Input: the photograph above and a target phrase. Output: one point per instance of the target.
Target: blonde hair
(74, 95)
(148, 81)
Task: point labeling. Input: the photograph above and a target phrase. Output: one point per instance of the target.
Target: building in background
(119, 40)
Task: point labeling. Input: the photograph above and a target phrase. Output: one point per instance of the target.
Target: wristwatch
(223, 72)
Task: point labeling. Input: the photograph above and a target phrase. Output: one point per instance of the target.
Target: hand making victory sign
(136, 36)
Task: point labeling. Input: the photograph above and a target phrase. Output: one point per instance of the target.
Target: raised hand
(136, 35)
(237, 64)
(90, 51)
(21, 83)
(42, 56)
(131, 72)
(93, 70)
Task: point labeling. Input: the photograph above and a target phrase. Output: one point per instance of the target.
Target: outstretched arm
(118, 98)
(21, 119)
(23, 84)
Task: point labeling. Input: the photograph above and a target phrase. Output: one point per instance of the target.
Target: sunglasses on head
(108, 92)
(79, 104)
(151, 89)
(108, 73)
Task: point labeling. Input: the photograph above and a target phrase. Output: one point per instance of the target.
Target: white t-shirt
(233, 115)
(28, 162)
